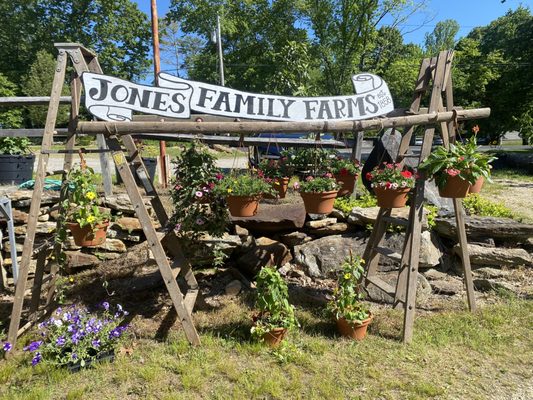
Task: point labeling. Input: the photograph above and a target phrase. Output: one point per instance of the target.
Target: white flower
(394, 186)
(58, 322)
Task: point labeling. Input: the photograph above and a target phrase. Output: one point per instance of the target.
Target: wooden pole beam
(31, 101)
(147, 128)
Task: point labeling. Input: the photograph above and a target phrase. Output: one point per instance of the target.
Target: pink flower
(219, 176)
(388, 185)
(199, 194)
(177, 227)
(199, 221)
(296, 185)
(328, 175)
(452, 171)
(389, 166)
(178, 187)
(211, 185)
(309, 178)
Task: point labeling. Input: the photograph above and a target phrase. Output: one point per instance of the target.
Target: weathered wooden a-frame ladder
(438, 72)
(84, 60)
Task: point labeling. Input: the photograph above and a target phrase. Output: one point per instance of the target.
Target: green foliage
(273, 303)
(198, 207)
(432, 212)
(9, 117)
(317, 185)
(243, 185)
(345, 166)
(311, 161)
(346, 204)
(14, 145)
(279, 168)
(38, 82)
(442, 37)
(474, 204)
(116, 29)
(461, 159)
(82, 204)
(347, 297)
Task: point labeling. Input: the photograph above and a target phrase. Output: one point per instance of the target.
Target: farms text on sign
(113, 99)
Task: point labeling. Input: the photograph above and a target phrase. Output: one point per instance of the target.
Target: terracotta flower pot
(86, 236)
(243, 206)
(391, 198)
(280, 185)
(455, 188)
(355, 331)
(319, 203)
(275, 336)
(476, 187)
(348, 183)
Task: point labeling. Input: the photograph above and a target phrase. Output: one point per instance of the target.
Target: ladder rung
(396, 221)
(381, 285)
(56, 172)
(190, 299)
(388, 253)
(410, 155)
(176, 268)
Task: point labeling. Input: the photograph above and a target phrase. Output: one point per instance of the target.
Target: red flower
(368, 176)
(219, 176)
(406, 174)
(388, 185)
(343, 171)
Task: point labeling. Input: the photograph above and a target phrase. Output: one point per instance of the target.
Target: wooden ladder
(438, 71)
(84, 60)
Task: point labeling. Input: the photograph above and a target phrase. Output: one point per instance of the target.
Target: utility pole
(163, 179)
(220, 56)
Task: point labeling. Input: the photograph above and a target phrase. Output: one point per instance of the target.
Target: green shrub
(346, 204)
(474, 204)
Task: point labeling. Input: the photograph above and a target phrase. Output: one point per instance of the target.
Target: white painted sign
(113, 99)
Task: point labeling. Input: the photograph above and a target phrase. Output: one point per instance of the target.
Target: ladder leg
(465, 258)
(370, 256)
(38, 281)
(154, 242)
(35, 206)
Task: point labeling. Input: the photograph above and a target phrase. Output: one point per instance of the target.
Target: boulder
(113, 245)
(323, 257)
(434, 275)
(430, 253)
(341, 217)
(260, 255)
(294, 238)
(321, 223)
(486, 227)
(77, 259)
(233, 288)
(128, 224)
(447, 287)
(22, 198)
(274, 218)
(485, 285)
(496, 256)
(333, 229)
(364, 216)
(42, 228)
(423, 288)
(124, 235)
(241, 232)
(121, 202)
(201, 252)
(490, 273)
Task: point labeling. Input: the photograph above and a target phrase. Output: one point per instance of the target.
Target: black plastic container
(16, 169)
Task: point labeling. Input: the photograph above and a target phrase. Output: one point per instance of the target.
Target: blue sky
(468, 13)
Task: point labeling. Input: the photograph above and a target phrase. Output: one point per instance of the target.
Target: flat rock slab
(486, 227)
(364, 216)
(273, 218)
(263, 253)
(497, 256)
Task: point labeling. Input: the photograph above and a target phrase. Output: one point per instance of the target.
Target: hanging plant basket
(476, 187)
(455, 188)
(320, 202)
(275, 337)
(280, 185)
(353, 331)
(86, 236)
(391, 198)
(243, 206)
(347, 182)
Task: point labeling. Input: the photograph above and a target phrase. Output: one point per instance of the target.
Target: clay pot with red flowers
(278, 174)
(391, 184)
(346, 173)
(458, 170)
(318, 193)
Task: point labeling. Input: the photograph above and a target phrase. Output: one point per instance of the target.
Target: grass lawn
(456, 355)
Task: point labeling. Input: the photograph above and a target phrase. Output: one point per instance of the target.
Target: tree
(9, 118)
(442, 37)
(38, 82)
(116, 29)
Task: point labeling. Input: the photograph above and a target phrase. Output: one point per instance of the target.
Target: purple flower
(199, 221)
(105, 304)
(7, 347)
(115, 333)
(199, 194)
(74, 356)
(60, 341)
(33, 346)
(71, 328)
(36, 359)
(96, 343)
(177, 227)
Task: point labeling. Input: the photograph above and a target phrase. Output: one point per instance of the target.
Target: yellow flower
(90, 195)
(347, 276)
(91, 219)
(230, 190)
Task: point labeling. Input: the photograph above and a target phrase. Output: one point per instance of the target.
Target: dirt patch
(516, 195)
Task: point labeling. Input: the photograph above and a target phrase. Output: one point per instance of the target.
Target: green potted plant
(391, 184)
(242, 193)
(276, 315)
(346, 172)
(351, 314)
(278, 173)
(318, 193)
(16, 161)
(312, 161)
(458, 170)
(86, 221)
